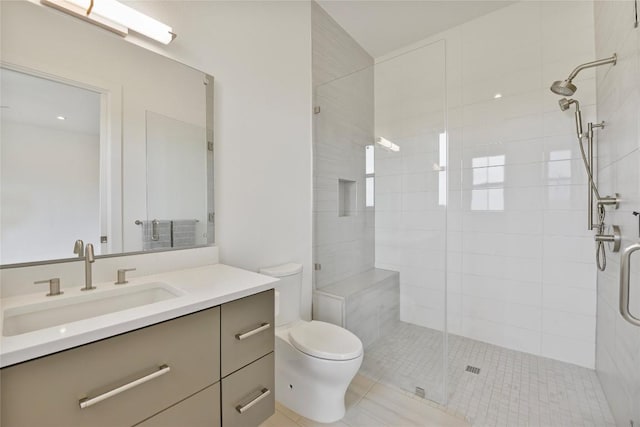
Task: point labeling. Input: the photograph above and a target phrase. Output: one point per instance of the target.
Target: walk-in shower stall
(459, 224)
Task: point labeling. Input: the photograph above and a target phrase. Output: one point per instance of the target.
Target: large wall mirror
(101, 141)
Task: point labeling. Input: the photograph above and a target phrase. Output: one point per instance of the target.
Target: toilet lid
(325, 341)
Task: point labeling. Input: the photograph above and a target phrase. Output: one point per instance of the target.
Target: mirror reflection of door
(49, 167)
(176, 184)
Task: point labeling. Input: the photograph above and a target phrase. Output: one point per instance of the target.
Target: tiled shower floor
(512, 388)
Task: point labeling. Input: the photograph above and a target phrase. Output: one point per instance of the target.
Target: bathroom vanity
(211, 364)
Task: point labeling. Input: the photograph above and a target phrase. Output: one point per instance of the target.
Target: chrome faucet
(88, 260)
(78, 248)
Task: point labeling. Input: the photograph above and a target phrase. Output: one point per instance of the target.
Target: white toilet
(315, 361)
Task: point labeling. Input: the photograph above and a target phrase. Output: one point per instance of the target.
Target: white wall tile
(572, 300)
(533, 257)
(568, 273)
(343, 88)
(502, 335)
(577, 351)
(577, 249)
(502, 290)
(570, 325)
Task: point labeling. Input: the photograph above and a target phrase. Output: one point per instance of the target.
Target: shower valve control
(614, 238)
(610, 201)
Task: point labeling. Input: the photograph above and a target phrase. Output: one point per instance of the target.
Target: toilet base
(314, 388)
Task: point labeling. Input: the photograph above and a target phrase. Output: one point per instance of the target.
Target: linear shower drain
(473, 369)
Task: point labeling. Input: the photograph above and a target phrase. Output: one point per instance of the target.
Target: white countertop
(203, 287)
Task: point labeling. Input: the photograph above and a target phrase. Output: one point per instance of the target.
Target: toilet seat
(325, 341)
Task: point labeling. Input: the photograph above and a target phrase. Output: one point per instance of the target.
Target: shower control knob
(614, 238)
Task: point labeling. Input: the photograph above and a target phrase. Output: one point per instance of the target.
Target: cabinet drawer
(47, 391)
(245, 335)
(248, 395)
(200, 410)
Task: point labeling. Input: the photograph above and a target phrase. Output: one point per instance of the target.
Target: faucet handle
(54, 286)
(78, 248)
(122, 276)
(88, 253)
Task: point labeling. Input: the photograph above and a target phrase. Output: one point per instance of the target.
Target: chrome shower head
(567, 88)
(563, 87)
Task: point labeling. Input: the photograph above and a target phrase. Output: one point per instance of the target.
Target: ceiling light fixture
(387, 144)
(116, 17)
(497, 96)
(61, 118)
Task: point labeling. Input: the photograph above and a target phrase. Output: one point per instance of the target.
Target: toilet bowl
(315, 361)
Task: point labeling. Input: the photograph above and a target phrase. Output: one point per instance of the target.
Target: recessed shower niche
(347, 197)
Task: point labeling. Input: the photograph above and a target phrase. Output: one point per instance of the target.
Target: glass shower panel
(343, 224)
(411, 215)
(380, 204)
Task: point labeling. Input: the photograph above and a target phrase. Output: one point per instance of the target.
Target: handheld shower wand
(564, 106)
(601, 238)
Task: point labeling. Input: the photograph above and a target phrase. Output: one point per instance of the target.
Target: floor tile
(286, 411)
(279, 420)
(511, 387)
(379, 406)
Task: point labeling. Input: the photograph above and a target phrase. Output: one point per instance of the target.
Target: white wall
(260, 56)
(618, 342)
(53, 201)
(520, 262)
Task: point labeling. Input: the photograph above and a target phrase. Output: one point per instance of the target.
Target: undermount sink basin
(55, 312)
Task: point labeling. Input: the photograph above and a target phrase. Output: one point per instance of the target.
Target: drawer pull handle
(252, 332)
(244, 408)
(86, 402)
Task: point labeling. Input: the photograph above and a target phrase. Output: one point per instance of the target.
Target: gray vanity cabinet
(248, 394)
(166, 374)
(200, 410)
(247, 360)
(246, 331)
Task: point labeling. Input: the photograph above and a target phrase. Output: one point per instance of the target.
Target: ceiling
(38, 101)
(382, 26)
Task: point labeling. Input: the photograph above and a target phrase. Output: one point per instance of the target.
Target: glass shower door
(380, 212)
(411, 216)
(343, 220)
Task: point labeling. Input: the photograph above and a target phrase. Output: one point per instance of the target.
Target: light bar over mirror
(116, 17)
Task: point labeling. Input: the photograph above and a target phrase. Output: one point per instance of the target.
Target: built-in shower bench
(366, 304)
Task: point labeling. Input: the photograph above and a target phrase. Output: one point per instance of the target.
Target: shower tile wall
(527, 275)
(618, 100)
(343, 89)
(520, 262)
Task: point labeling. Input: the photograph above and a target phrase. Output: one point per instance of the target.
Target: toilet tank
(288, 291)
